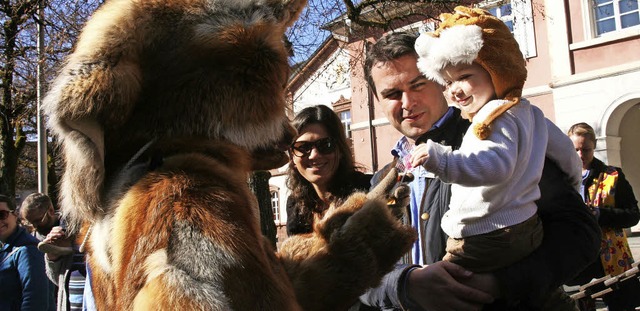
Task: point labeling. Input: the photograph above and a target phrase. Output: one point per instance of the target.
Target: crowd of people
(42, 268)
(505, 212)
(443, 136)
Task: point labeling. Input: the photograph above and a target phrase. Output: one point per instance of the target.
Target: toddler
(492, 221)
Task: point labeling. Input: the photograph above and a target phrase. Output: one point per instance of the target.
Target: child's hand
(419, 155)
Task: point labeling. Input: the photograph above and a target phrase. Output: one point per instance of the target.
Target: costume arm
(34, 282)
(387, 294)
(350, 250)
(571, 242)
(625, 214)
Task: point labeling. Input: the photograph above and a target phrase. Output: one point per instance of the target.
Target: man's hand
(446, 286)
(57, 237)
(487, 282)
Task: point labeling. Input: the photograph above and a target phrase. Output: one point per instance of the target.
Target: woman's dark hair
(341, 185)
(11, 204)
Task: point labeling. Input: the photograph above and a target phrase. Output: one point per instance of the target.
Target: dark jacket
(571, 241)
(571, 237)
(624, 214)
(300, 220)
(23, 282)
(435, 203)
(436, 199)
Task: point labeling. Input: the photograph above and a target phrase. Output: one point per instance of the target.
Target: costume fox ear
(97, 86)
(82, 182)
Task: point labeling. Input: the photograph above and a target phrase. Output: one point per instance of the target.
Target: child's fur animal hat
(470, 35)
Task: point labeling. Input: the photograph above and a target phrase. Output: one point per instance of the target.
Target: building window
(345, 117)
(427, 26)
(612, 15)
(275, 206)
(503, 12)
(518, 16)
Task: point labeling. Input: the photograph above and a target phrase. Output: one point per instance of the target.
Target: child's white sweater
(495, 181)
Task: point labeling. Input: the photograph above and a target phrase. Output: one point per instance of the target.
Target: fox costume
(162, 110)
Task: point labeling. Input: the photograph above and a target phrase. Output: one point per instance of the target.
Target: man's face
(41, 221)
(411, 102)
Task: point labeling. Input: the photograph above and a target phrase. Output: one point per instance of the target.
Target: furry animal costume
(163, 109)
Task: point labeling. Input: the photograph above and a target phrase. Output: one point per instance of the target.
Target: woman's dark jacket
(300, 220)
(23, 282)
(624, 214)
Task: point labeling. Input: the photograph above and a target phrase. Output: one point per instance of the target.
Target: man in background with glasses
(65, 264)
(37, 212)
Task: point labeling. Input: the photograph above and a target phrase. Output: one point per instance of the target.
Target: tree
(259, 185)
(63, 20)
(360, 17)
(13, 88)
(18, 86)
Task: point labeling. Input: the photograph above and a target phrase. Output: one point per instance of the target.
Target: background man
(37, 210)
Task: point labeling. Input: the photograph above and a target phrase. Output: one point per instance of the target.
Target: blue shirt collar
(403, 146)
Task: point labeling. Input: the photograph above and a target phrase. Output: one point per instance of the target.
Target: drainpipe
(372, 130)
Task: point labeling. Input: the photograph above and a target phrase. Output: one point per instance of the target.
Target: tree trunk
(259, 184)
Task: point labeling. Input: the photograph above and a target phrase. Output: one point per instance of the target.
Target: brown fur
(350, 249)
(163, 109)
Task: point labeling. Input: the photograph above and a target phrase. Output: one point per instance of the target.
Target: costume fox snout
(162, 110)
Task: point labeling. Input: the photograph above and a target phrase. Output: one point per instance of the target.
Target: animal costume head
(474, 35)
(147, 72)
(163, 109)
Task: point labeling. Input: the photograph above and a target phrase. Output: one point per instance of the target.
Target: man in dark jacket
(417, 108)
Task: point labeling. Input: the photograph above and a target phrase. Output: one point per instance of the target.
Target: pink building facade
(583, 62)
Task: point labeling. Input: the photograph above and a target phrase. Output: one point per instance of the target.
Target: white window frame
(275, 205)
(522, 18)
(427, 26)
(346, 122)
(591, 25)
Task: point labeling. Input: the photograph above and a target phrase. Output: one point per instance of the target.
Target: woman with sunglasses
(23, 282)
(322, 172)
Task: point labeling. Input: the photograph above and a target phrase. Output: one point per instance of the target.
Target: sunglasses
(4, 214)
(33, 224)
(323, 146)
